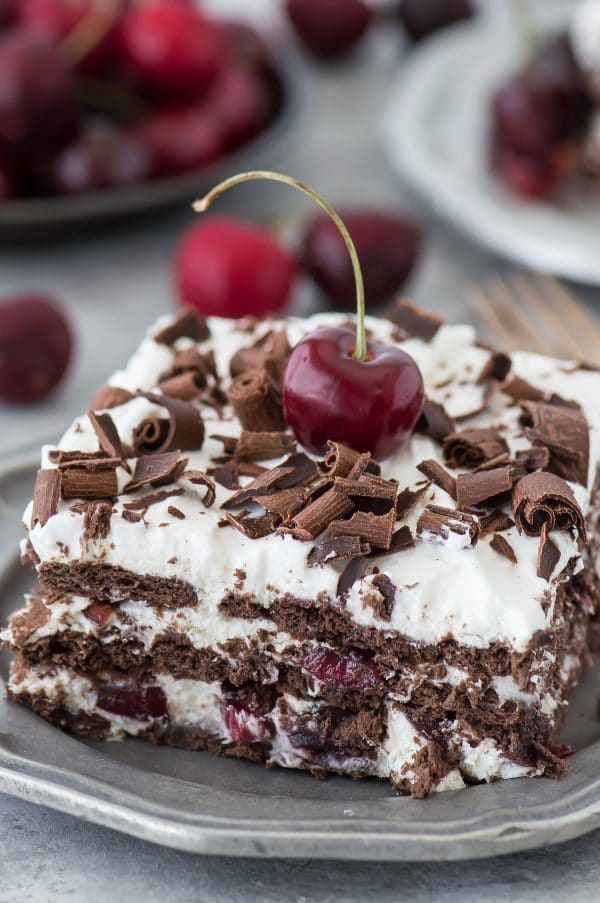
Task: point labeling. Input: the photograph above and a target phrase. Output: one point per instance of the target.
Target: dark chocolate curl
(415, 322)
(188, 323)
(46, 496)
(474, 488)
(434, 421)
(109, 397)
(185, 429)
(257, 402)
(564, 431)
(543, 499)
(470, 447)
(107, 434)
(268, 353)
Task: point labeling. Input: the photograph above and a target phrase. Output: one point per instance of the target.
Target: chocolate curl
(563, 430)
(256, 401)
(265, 484)
(317, 516)
(543, 499)
(443, 521)
(495, 522)
(184, 429)
(46, 496)
(497, 367)
(199, 478)
(519, 389)
(79, 482)
(185, 385)
(268, 353)
(415, 322)
(474, 488)
(340, 460)
(188, 323)
(436, 474)
(434, 421)
(375, 529)
(286, 502)
(109, 397)
(157, 470)
(263, 446)
(470, 447)
(108, 437)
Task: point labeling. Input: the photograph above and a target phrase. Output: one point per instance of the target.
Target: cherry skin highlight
(370, 405)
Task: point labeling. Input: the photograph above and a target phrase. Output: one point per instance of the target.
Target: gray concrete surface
(114, 285)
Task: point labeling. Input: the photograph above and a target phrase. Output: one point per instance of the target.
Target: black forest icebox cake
(205, 582)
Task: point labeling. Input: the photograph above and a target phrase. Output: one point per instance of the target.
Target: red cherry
(7, 12)
(146, 704)
(228, 268)
(181, 139)
(370, 405)
(329, 28)
(38, 110)
(387, 247)
(244, 724)
(354, 671)
(35, 347)
(245, 46)
(242, 105)
(172, 46)
(422, 17)
(99, 612)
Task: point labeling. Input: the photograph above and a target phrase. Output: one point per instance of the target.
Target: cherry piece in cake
(144, 704)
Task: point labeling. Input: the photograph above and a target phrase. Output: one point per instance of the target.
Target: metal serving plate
(195, 802)
(434, 130)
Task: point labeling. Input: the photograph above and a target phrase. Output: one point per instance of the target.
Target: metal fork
(537, 313)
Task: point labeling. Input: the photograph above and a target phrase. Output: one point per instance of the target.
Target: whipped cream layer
(473, 595)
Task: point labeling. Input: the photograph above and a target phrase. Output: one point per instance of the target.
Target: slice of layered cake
(206, 582)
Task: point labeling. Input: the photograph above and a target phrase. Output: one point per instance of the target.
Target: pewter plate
(434, 130)
(195, 802)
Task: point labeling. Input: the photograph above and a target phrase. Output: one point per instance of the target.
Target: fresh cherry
(182, 138)
(387, 247)
(245, 47)
(329, 28)
(104, 156)
(422, 17)
(145, 704)
(354, 671)
(38, 109)
(228, 268)
(172, 46)
(371, 405)
(337, 386)
(35, 347)
(241, 104)
(7, 13)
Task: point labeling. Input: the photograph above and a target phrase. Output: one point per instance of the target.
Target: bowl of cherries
(114, 107)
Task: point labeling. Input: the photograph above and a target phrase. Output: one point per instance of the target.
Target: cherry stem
(89, 31)
(202, 205)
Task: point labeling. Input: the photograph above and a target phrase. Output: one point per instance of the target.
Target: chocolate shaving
(402, 540)
(133, 517)
(152, 498)
(265, 484)
(186, 324)
(544, 499)
(408, 499)
(268, 353)
(253, 527)
(495, 521)
(316, 516)
(474, 488)
(262, 446)
(96, 520)
(286, 502)
(59, 456)
(499, 461)
(109, 397)
(175, 512)
(434, 421)
(548, 555)
(415, 322)
(442, 521)
(185, 429)
(375, 529)
(500, 545)
(256, 400)
(339, 461)
(199, 478)
(185, 385)
(436, 473)
(304, 469)
(519, 389)
(338, 549)
(470, 447)
(46, 495)
(497, 367)
(529, 459)
(157, 470)
(89, 478)
(354, 570)
(387, 590)
(226, 474)
(107, 434)
(565, 433)
(367, 486)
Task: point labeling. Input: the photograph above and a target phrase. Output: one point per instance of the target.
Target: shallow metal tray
(195, 802)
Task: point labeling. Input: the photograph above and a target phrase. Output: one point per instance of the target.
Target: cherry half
(336, 385)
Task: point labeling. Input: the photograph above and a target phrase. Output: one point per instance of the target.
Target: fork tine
(483, 307)
(574, 312)
(560, 339)
(510, 311)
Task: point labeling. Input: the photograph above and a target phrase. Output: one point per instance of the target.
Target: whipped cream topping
(474, 595)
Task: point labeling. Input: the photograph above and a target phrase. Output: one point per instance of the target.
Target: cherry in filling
(139, 704)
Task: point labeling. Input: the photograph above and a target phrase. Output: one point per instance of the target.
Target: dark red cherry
(35, 347)
(387, 247)
(182, 138)
(246, 48)
(174, 48)
(244, 724)
(99, 612)
(229, 268)
(38, 108)
(329, 28)
(370, 405)
(422, 17)
(354, 671)
(7, 12)
(143, 704)
(241, 104)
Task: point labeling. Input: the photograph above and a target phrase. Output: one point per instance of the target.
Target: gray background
(114, 285)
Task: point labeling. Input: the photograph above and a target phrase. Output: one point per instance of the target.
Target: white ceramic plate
(434, 130)
(197, 802)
